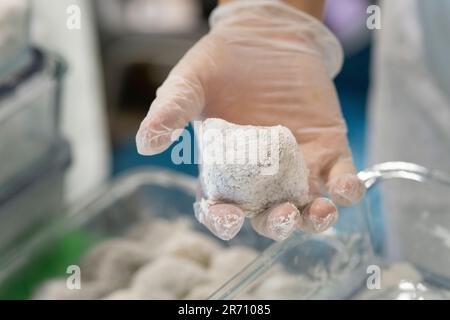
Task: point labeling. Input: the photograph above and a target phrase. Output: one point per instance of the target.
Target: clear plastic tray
(29, 106)
(29, 202)
(142, 195)
(412, 257)
(329, 265)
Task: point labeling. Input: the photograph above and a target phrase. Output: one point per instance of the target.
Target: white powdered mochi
(190, 245)
(168, 275)
(229, 261)
(254, 167)
(114, 262)
(57, 289)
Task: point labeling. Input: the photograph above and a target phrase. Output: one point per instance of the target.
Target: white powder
(282, 225)
(254, 167)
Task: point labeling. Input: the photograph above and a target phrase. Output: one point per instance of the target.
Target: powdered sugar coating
(254, 167)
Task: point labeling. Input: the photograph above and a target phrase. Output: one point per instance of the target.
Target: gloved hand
(264, 63)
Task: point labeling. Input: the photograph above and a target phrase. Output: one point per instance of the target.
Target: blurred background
(119, 54)
(78, 76)
(76, 79)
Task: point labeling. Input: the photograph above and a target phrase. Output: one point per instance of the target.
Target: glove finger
(318, 216)
(278, 222)
(343, 185)
(178, 100)
(224, 220)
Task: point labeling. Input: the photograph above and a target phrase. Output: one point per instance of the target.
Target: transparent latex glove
(263, 63)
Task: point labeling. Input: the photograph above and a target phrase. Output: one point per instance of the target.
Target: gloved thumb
(178, 100)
